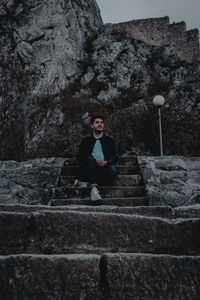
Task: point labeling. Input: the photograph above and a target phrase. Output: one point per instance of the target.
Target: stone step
(122, 160)
(151, 277)
(134, 201)
(125, 180)
(162, 212)
(94, 277)
(62, 232)
(123, 170)
(156, 211)
(106, 192)
(51, 277)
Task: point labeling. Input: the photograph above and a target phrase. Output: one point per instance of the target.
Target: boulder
(30, 182)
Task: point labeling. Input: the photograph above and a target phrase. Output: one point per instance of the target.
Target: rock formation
(30, 182)
(60, 63)
(41, 43)
(171, 180)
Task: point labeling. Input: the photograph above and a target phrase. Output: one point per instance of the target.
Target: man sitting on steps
(97, 155)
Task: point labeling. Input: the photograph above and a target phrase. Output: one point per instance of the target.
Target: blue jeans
(98, 175)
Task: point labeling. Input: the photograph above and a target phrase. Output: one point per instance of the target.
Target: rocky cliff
(59, 64)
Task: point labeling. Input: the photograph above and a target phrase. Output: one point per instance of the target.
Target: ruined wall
(159, 31)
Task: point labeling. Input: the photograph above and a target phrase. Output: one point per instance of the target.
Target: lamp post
(159, 101)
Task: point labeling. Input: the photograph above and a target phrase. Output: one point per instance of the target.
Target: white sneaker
(79, 183)
(95, 195)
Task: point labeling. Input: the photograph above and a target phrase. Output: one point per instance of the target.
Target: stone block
(30, 182)
(71, 277)
(170, 180)
(51, 232)
(151, 277)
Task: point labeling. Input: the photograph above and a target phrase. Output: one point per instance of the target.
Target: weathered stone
(146, 276)
(42, 44)
(78, 229)
(112, 276)
(192, 211)
(106, 191)
(168, 164)
(122, 180)
(133, 201)
(29, 182)
(49, 277)
(156, 211)
(171, 180)
(51, 232)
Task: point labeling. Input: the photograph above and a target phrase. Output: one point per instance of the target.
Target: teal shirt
(97, 151)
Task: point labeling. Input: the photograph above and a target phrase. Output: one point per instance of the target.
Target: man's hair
(96, 117)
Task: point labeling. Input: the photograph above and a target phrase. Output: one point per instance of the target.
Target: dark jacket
(108, 146)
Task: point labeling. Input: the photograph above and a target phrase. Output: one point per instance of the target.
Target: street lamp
(159, 101)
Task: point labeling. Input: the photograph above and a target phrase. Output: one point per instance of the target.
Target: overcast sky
(115, 11)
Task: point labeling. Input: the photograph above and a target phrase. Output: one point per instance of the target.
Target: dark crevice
(36, 39)
(50, 27)
(103, 281)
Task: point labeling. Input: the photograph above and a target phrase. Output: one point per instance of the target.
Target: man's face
(98, 126)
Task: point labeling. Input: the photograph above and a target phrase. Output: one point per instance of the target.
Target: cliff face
(47, 39)
(130, 73)
(41, 44)
(59, 64)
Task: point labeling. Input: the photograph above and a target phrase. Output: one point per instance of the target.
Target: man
(97, 155)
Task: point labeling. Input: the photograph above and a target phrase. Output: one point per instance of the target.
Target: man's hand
(101, 163)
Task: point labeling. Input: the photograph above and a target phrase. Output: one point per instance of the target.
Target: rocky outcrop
(30, 182)
(171, 180)
(47, 39)
(41, 45)
(128, 75)
(59, 65)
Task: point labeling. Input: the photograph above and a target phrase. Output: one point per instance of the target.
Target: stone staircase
(127, 189)
(121, 249)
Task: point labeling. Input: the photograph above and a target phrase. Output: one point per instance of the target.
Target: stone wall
(159, 32)
(171, 180)
(29, 182)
